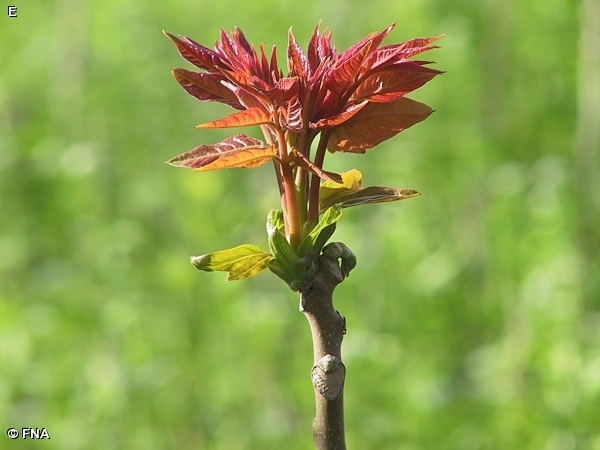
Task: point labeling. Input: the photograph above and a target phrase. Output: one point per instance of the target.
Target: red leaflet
(197, 54)
(394, 82)
(419, 42)
(297, 62)
(284, 90)
(245, 118)
(236, 151)
(291, 117)
(344, 72)
(389, 54)
(206, 87)
(375, 123)
(340, 118)
(354, 61)
(319, 48)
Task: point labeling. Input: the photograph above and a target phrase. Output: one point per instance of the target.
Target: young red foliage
(354, 100)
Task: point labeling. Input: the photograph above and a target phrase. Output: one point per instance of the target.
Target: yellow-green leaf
(330, 191)
(351, 192)
(240, 262)
(376, 194)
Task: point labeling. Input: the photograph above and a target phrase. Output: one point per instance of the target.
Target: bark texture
(328, 373)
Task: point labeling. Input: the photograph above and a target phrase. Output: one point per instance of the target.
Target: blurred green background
(473, 315)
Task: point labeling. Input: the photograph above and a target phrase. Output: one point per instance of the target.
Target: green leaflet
(351, 192)
(319, 236)
(247, 260)
(240, 262)
(285, 257)
(375, 194)
(297, 267)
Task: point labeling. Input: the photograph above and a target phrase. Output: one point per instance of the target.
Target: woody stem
(327, 328)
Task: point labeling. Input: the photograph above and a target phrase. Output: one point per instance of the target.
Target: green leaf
(240, 262)
(375, 194)
(275, 267)
(294, 268)
(330, 191)
(285, 256)
(351, 192)
(322, 232)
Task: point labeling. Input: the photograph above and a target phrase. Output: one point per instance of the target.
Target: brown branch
(328, 373)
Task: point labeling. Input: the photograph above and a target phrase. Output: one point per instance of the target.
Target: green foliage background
(473, 314)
